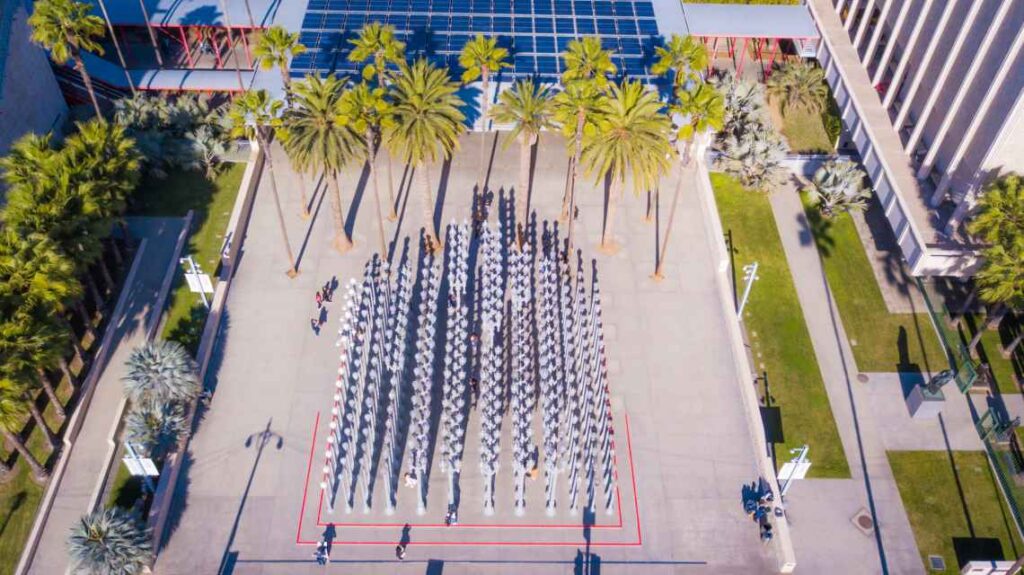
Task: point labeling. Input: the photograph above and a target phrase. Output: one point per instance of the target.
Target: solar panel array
(534, 31)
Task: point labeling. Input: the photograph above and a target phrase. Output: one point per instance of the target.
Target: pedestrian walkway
(138, 313)
(873, 486)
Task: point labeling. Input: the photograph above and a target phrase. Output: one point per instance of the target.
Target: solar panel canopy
(534, 31)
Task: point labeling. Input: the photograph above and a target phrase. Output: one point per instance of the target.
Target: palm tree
(159, 372)
(999, 218)
(744, 103)
(426, 127)
(799, 85)
(481, 57)
(379, 44)
(838, 187)
(366, 110)
(585, 59)
(683, 56)
(66, 28)
(632, 140)
(529, 108)
(1000, 282)
(154, 428)
(703, 109)
(577, 109)
(110, 540)
(319, 141)
(13, 410)
(755, 157)
(31, 342)
(253, 115)
(275, 48)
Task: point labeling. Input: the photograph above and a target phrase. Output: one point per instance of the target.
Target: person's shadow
(406, 538)
(328, 538)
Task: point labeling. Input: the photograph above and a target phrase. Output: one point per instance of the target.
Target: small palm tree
(31, 343)
(577, 109)
(159, 372)
(155, 428)
(683, 56)
(702, 110)
(13, 410)
(275, 48)
(838, 187)
(585, 59)
(481, 57)
(530, 109)
(426, 127)
(66, 28)
(377, 43)
(798, 85)
(755, 157)
(367, 111)
(744, 103)
(254, 115)
(999, 218)
(1000, 282)
(632, 141)
(318, 140)
(110, 541)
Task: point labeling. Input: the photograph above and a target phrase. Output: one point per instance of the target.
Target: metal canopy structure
(197, 13)
(754, 29)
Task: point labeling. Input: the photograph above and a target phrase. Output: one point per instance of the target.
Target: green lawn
(951, 500)
(212, 202)
(988, 350)
(777, 331)
(881, 341)
(804, 131)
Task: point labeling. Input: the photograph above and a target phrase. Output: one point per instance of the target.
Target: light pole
(193, 269)
(749, 276)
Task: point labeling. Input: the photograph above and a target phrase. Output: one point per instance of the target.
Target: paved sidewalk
(88, 456)
(820, 544)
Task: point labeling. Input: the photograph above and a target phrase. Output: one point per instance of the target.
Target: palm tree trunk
(87, 80)
(286, 80)
(19, 446)
(982, 328)
(44, 380)
(114, 249)
(304, 213)
(1007, 350)
(392, 213)
(105, 272)
(342, 242)
(372, 155)
(75, 344)
(231, 46)
(152, 35)
(94, 290)
(564, 214)
(571, 214)
(428, 210)
(658, 271)
(66, 370)
(83, 314)
(40, 422)
(607, 240)
(117, 45)
(483, 132)
(973, 295)
(292, 272)
(523, 193)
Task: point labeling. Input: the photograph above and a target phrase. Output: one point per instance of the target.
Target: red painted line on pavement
(309, 469)
(632, 472)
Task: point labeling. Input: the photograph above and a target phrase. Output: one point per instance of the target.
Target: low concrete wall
(234, 238)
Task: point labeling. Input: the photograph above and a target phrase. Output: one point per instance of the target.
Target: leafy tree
(110, 541)
(31, 342)
(798, 85)
(481, 57)
(632, 141)
(254, 115)
(275, 48)
(838, 187)
(529, 108)
(155, 427)
(1001, 283)
(367, 110)
(66, 28)
(999, 218)
(377, 43)
(754, 157)
(160, 372)
(427, 125)
(585, 59)
(577, 109)
(702, 110)
(318, 141)
(207, 145)
(13, 410)
(683, 56)
(174, 133)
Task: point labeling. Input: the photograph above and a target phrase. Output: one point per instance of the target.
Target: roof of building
(749, 21)
(193, 12)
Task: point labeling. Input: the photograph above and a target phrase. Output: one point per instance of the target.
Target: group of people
(322, 297)
(759, 508)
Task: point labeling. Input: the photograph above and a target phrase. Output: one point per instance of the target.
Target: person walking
(400, 551)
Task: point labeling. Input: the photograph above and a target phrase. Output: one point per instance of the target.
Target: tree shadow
(357, 199)
(13, 505)
(817, 228)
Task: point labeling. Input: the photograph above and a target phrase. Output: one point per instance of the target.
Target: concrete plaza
(248, 500)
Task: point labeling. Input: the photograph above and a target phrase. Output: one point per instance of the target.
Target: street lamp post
(749, 276)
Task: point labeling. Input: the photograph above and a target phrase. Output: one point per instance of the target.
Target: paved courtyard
(249, 499)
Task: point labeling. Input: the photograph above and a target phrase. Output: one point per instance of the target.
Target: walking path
(137, 314)
(821, 510)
